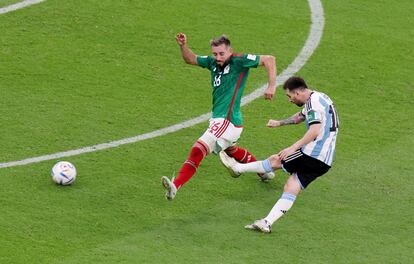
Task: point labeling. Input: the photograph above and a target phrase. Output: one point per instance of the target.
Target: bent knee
(292, 185)
(275, 161)
(204, 147)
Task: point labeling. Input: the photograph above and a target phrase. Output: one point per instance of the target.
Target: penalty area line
(312, 42)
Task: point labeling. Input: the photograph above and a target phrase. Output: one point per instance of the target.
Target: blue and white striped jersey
(320, 109)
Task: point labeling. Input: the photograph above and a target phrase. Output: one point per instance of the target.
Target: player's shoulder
(205, 57)
(313, 102)
(205, 60)
(315, 96)
(237, 57)
(321, 99)
(324, 97)
(244, 59)
(247, 56)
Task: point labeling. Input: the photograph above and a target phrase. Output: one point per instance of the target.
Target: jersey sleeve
(250, 61)
(314, 111)
(204, 61)
(314, 117)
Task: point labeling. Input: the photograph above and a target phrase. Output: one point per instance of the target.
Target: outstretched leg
(261, 166)
(244, 156)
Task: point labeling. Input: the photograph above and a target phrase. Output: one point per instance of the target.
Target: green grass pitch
(78, 73)
(4, 3)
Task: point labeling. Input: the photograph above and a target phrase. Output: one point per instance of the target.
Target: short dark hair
(223, 39)
(294, 83)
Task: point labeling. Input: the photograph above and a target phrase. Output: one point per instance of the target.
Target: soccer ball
(63, 173)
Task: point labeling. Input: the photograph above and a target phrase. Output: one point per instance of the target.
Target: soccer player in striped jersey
(229, 72)
(305, 160)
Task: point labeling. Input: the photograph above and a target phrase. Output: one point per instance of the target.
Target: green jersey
(228, 83)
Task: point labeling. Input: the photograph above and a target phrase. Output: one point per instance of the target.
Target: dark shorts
(306, 168)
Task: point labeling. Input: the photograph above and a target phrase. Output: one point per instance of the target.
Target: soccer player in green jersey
(229, 72)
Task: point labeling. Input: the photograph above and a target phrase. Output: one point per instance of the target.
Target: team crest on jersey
(227, 69)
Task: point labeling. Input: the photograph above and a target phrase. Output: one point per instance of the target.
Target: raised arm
(295, 119)
(269, 62)
(188, 56)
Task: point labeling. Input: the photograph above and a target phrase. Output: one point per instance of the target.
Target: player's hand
(181, 39)
(286, 152)
(269, 92)
(273, 123)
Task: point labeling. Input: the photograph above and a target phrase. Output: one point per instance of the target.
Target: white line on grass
(19, 5)
(312, 42)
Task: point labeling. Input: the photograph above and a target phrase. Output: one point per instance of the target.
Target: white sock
(282, 205)
(261, 166)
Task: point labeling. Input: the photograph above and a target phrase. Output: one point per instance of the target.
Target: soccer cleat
(229, 163)
(170, 187)
(260, 225)
(265, 177)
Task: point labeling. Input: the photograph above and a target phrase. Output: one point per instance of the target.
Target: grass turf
(76, 74)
